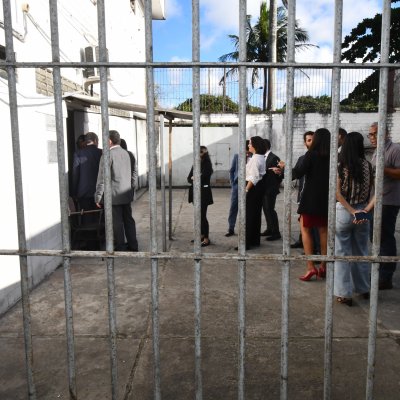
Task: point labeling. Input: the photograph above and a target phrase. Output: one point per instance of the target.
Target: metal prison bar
(155, 255)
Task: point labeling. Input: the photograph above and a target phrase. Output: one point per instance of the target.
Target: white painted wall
(77, 29)
(270, 127)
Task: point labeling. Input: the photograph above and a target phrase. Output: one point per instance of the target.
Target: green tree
(322, 105)
(307, 104)
(364, 44)
(257, 38)
(213, 104)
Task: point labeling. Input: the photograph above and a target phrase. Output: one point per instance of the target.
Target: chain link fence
(219, 90)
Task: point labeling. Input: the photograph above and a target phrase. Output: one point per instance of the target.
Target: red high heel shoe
(307, 277)
(322, 272)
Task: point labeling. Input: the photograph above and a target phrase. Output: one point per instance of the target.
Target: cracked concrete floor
(219, 327)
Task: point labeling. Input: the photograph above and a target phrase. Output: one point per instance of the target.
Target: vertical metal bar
(332, 199)
(197, 194)
(19, 198)
(151, 143)
(170, 180)
(108, 198)
(380, 160)
(273, 30)
(242, 200)
(163, 198)
(63, 189)
(287, 200)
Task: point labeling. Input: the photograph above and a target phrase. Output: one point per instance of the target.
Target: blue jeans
(351, 240)
(233, 211)
(388, 241)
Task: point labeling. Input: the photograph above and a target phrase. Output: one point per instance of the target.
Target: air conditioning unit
(91, 54)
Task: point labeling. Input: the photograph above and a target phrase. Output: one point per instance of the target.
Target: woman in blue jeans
(354, 188)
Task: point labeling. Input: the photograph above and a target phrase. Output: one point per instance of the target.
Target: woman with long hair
(313, 207)
(206, 171)
(255, 171)
(354, 187)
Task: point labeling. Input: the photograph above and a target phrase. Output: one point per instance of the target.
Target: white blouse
(255, 168)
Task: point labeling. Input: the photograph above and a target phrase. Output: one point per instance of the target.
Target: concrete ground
(219, 326)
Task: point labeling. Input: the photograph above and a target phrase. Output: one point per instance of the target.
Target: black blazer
(206, 172)
(84, 171)
(314, 198)
(272, 181)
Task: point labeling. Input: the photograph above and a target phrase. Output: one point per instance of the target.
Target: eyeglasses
(372, 135)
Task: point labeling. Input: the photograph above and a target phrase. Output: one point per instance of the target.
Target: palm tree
(257, 38)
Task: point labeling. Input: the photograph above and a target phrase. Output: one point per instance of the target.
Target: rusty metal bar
(191, 64)
(242, 201)
(197, 196)
(19, 197)
(287, 200)
(101, 21)
(64, 193)
(380, 160)
(208, 256)
(151, 145)
(332, 200)
(163, 196)
(170, 180)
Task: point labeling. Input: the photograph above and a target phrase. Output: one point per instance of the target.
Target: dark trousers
(271, 217)
(388, 241)
(254, 201)
(204, 221)
(233, 211)
(124, 226)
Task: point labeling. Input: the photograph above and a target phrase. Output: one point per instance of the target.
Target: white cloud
(322, 54)
(172, 8)
(224, 17)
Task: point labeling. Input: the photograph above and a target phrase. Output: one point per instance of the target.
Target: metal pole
(63, 189)
(108, 199)
(197, 194)
(332, 201)
(242, 201)
(273, 27)
(170, 179)
(287, 200)
(380, 160)
(19, 197)
(151, 145)
(163, 197)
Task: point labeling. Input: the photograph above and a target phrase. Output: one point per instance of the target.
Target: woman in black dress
(206, 171)
(313, 207)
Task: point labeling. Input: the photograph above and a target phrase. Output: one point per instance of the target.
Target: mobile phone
(362, 216)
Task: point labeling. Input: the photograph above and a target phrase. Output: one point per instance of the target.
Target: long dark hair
(205, 159)
(351, 156)
(321, 143)
(259, 144)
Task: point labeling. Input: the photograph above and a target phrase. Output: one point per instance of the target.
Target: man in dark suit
(122, 194)
(84, 173)
(272, 183)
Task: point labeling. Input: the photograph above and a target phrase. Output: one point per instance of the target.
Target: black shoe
(237, 248)
(229, 233)
(385, 285)
(296, 245)
(275, 236)
(266, 233)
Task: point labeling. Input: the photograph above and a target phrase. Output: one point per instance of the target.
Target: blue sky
(172, 37)
(219, 18)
